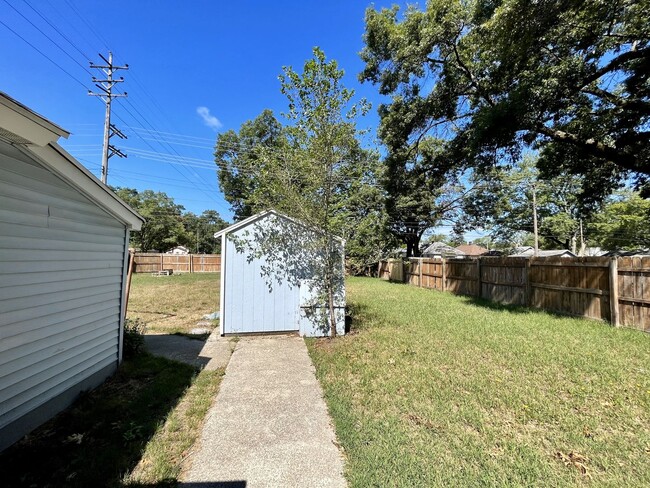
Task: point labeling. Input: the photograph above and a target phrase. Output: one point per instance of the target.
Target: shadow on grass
(101, 437)
(521, 309)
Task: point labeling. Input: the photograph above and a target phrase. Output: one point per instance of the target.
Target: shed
(271, 270)
(63, 256)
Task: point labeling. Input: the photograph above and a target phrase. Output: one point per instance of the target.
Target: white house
(271, 270)
(63, 255)
(179, 250)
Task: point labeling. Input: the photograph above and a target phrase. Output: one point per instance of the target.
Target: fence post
(528, 289)
(162, 264)
(444, 274)
(420, 268)
(478, 276)
(191, 262)
(613, 291)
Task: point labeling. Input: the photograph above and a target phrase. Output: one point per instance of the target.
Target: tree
(418, 198)
(163, 227)
(492, 77)
(623, 223)
(200, 231)
(504, 206)
(306, 178)
(359, 211)
(238, 163)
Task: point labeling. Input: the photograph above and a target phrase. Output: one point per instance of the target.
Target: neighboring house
(64, 240)
(628, 254)
(472, 250)
(528, 252)
(270, 267)
(180, 250)
(441, 250)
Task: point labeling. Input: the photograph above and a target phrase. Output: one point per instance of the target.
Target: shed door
(250, 304)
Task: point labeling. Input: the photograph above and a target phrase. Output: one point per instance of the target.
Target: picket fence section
(178, 263)
(612, 289)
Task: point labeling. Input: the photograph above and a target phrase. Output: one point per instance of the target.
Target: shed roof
(37, 138)
(261, 215)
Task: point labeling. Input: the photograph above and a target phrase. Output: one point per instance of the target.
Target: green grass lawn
(173, 304)
(432, 389)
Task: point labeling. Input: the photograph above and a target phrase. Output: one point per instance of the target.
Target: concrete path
(211, 354)
(269, 426)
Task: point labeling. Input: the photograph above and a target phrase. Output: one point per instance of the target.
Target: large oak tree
(491, 77)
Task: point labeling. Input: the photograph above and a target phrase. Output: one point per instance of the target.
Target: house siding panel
(61, 272)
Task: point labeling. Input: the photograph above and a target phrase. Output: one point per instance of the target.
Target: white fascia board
(24, 122)
(70, 170)
(258, 216)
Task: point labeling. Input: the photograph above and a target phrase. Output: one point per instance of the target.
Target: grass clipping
(163, 457)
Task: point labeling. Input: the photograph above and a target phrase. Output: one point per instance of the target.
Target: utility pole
(535, 220)
(106, 86)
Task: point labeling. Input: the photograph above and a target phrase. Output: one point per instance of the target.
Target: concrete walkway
(211, 354)
(269, 426)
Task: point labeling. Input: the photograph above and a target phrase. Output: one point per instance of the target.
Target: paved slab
(211, 354)
(269, 426)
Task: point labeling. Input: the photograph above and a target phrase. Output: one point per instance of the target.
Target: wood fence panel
(206, 263)
(413, 271)
(573, 286)
(431, 273)
(462, 277)
(577, 286)
(504, 280)
(147, 263)
(634, 292)
(178, 263)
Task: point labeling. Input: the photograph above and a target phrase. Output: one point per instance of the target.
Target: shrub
(133, 341)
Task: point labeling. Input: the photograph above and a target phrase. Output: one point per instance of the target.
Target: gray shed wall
(61, 272)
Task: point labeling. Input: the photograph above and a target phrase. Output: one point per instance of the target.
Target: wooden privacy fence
(612, 289)
(179, 263)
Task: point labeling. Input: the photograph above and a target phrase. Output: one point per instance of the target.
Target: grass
(101, 437)
(164, 454)
(432, 389)
(173, 304)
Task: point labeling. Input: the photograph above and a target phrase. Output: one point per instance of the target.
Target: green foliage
(504, 206)
(311, 177)
(133, 338)
(490, 78)
(313, 168)
(200, 229)
(418, 198)
(623, 223)
(163, 227)
(166, 226)
(237, 156)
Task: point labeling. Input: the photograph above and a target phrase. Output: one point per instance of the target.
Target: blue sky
(196, 68)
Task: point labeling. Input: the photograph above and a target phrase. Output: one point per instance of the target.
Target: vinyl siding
(61, 271)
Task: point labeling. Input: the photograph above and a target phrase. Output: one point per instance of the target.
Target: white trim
(24, 122)
(253, 218)
(222, 285)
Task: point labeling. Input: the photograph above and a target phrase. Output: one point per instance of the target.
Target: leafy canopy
(491, 77)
